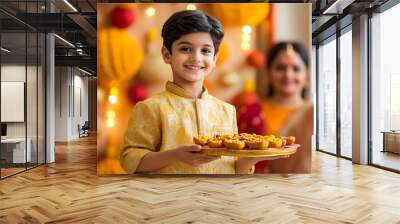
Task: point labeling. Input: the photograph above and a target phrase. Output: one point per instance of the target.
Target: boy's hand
(190, 154)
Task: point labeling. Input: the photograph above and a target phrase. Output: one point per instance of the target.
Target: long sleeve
(234, 125)
(142, 136)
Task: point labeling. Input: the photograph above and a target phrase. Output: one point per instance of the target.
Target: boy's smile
(193, 67)
(192, 58)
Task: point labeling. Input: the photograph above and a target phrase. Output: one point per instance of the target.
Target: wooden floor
(69, 191)
(5, 172)
(387, 159)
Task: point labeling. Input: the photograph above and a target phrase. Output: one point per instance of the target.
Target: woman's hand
(244, 164)
(191, 155)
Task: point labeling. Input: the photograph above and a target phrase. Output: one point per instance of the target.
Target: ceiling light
(5, 50)
(70, 5)
(65, 41)
(337, 7)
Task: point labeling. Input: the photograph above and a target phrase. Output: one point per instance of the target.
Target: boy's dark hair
(191, 21)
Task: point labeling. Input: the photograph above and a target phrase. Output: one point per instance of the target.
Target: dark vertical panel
(317, 96)
(338, 115)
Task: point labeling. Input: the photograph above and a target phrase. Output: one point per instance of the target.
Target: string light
(246, 29)
(150, 11)
(191, 7)
(110, 118)
(245, 46)
(110, 122)
(114, 91)
(113, 95)
(111, 114)
(112, 99)
(246, 37)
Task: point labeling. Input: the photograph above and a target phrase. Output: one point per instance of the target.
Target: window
(346, 94)
(385, 89)
(327, 97)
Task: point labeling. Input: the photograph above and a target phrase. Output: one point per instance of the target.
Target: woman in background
(286, 111)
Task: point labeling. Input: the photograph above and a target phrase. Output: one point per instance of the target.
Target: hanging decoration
(122, 16)
(255, 59)
(246, 38)
(120, 56)
(137, 92)
(239, 14)
(151, 35)
(229, 79)
(154, 69)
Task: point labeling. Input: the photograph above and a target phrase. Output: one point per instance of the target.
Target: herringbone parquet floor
(69, 191)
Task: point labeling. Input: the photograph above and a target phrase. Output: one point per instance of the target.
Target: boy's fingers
(191, 148)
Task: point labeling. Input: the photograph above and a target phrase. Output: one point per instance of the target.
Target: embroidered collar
(177, 90)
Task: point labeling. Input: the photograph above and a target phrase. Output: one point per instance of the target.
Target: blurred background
(131, 69)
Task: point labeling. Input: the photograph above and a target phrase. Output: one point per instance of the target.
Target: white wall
(71, 93)
(33, 127)
(16, 73)
(61, 103)
(293, 23)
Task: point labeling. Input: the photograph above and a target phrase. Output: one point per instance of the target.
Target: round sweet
(234, 144)
(215, 143)
(258, 144)
(276, 143)
(200, 140)
(290, 140)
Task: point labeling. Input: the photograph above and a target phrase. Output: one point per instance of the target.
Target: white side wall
(293, 23)
(71, 102)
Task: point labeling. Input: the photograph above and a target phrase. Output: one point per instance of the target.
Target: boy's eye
(185, 49)
(206, 51)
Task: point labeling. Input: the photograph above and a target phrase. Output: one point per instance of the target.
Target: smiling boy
(159, 138)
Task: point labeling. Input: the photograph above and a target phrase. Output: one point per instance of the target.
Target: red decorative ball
(255, 59)
(137, 92)
(122, 17)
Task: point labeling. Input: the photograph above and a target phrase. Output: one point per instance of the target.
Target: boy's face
(192, 57)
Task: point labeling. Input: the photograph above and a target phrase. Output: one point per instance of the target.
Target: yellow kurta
(172, 118)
